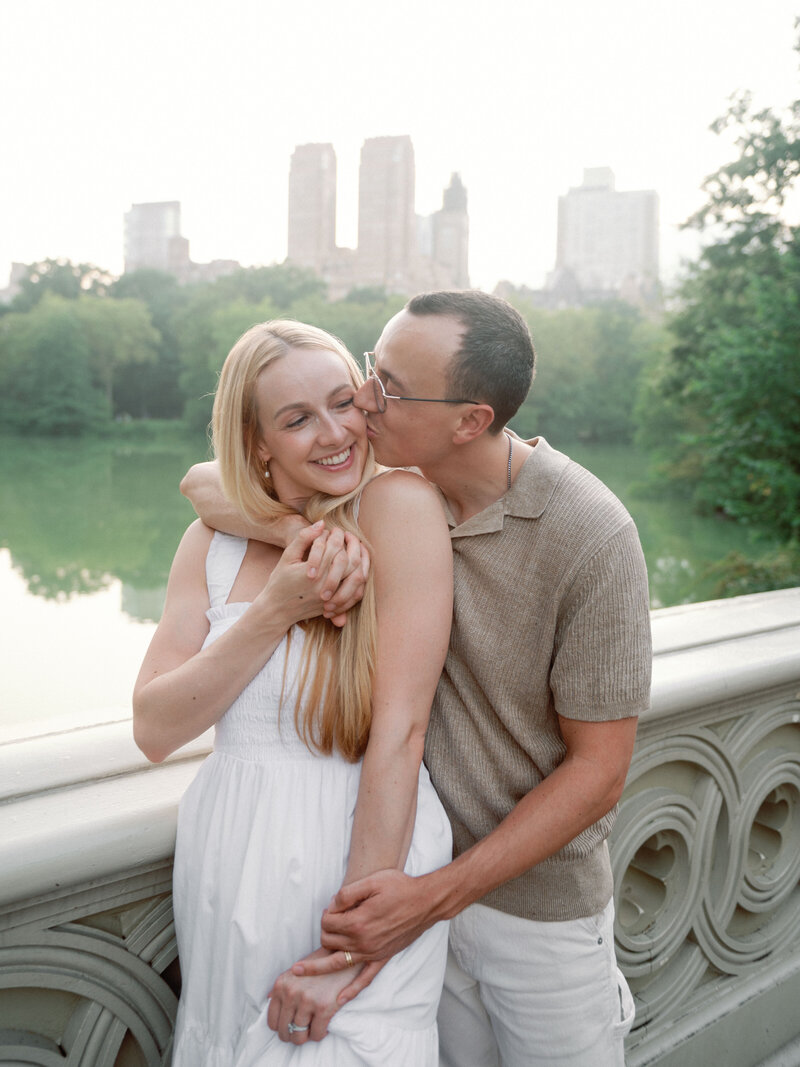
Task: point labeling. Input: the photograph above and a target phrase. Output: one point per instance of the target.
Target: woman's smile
(341, 459)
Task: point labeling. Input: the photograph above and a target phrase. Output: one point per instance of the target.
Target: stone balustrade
(706, 855)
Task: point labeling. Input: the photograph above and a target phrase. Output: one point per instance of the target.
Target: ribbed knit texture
(551, 616)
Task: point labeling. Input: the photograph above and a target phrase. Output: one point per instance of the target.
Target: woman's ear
(263, 452)
(473, 423)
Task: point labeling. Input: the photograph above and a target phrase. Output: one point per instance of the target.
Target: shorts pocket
(627, 1009)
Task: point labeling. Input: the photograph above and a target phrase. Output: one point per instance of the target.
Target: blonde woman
(316, 777)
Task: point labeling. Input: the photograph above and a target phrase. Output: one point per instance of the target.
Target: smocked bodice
(259, 724)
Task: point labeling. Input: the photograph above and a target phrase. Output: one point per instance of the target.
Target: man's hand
(371, 920)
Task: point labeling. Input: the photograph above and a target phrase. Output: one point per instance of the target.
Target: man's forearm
(576, 795)
(561, 807)
(202, 486)
(385, 912)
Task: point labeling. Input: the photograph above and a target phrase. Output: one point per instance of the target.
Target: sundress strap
(224, 559)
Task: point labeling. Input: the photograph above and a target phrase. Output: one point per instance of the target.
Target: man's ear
(473, 423)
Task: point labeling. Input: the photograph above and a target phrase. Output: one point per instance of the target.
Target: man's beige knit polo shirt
(551, 616)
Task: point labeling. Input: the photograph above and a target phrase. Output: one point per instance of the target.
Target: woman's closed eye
(301, 419)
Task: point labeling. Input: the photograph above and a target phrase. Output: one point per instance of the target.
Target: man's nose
(364, 398)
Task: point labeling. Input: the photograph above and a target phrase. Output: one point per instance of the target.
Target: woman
(316, 776)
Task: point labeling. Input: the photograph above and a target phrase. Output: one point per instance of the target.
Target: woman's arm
(403, 520)
(402, 517)
(181, 691)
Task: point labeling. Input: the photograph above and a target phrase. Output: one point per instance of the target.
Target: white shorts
(520, 993)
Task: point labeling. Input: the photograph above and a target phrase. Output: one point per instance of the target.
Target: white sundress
(262, 846)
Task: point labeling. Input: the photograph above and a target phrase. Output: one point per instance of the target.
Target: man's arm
(202, 486)
(383, 913)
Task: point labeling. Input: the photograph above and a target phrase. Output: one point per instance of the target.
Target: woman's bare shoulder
(191, 554)
(399, 485)
(397, 497)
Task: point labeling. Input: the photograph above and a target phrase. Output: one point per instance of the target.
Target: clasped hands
(367, 922)
(338, 561)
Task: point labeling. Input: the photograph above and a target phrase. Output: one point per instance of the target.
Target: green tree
(60, 277)
(281, 283)
(46, 384)
(117, 333)
(57, 361)
(725, 402)
(143, 389)
(589, 364)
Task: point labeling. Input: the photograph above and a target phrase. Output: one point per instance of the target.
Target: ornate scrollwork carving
(98, 987)
(706, 856)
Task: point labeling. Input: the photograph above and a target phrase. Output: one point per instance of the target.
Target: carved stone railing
(706, 849)
(706, 855)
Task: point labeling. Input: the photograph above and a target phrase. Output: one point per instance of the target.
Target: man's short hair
(495, 363)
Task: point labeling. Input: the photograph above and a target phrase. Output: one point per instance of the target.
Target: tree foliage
(724, 406)
(41, 394)
(57, 361)
(60, 277)
(145, 388)
(589, 361)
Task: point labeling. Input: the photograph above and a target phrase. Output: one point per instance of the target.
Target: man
(533, 726)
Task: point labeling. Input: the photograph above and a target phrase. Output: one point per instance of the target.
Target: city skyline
(111, 105)
(398, 249)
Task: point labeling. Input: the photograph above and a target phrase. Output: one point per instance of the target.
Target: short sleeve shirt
(551, 618)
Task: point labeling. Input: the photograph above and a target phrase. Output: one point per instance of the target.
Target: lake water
(87, 535)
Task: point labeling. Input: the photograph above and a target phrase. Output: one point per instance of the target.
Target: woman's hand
(302, 583)
(308, 1004)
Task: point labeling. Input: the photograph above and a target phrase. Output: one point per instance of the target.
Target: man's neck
(476, 475)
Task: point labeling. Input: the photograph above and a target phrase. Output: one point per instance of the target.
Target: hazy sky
(105, 103)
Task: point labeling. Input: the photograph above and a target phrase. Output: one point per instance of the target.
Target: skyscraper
(387, 228)
(607, 240)
(397, 250)
(312, 206)
(450, 239)
(153, 238)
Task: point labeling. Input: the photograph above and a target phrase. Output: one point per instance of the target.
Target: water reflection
(90, 530)
(78, 515)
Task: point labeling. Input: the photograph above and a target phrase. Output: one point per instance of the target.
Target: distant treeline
(79, 349)
(711, 392)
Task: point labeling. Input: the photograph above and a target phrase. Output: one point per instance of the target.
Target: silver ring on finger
(297, 1029)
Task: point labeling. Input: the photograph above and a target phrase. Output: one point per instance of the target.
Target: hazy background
(108, 102)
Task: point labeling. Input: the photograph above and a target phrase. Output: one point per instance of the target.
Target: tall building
(387, 225)
(153, 238)
(153, 241)
(397, 250)
(607, 240)
(312, 206)
(450, 234)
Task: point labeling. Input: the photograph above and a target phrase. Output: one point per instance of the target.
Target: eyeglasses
(381, 396)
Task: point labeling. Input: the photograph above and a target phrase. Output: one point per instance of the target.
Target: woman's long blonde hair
(334, 708)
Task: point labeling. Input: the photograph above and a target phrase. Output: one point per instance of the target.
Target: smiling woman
(311, 439)
(316, 776)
